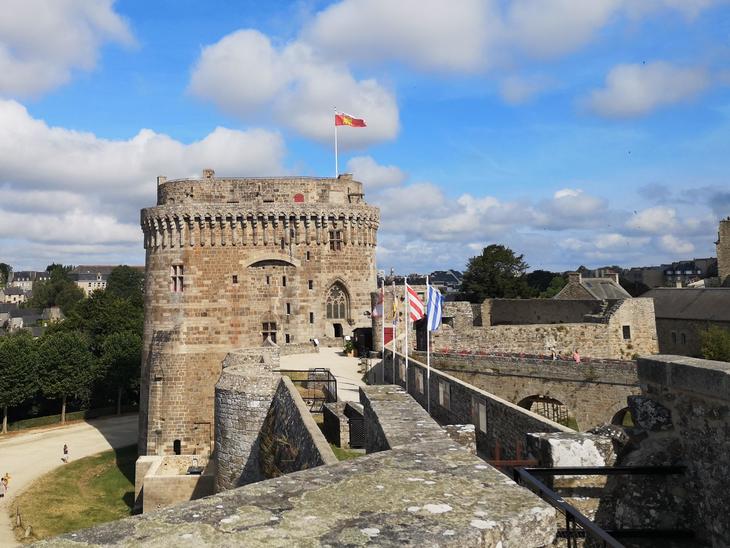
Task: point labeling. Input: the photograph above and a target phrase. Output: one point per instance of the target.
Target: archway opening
(338, 329)
(623, 418)
(177, 447)
(550, 408)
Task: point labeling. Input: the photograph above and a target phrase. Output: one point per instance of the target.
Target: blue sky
(575, 132)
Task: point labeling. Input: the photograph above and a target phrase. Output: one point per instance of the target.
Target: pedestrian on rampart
(576, 356)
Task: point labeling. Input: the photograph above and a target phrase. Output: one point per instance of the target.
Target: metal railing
(316, 386)
(580, 531)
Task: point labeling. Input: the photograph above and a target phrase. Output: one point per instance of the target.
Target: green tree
(556, 285)
(496, 273)
(539, 280)
(5, 270)
(715, 343)
(66, 366)
(121, 355)
(60, 290)
(18, 378)
(125, 282)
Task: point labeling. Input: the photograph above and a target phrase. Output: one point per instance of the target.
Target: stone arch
(284, 260)
(623, 417)
(337, 301)
(548, 407)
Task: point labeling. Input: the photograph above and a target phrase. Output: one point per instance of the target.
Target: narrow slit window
(311, 284)
(176, 278)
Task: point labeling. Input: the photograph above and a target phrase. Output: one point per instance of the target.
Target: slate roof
(707, 303)
(604, 289)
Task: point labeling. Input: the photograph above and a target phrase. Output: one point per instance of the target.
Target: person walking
(4, 482)
(576, 356)
(66, 456)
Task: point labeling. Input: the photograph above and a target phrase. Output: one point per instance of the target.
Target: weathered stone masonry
(230, 262)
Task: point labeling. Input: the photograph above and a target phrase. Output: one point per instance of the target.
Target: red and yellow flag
(343, 119)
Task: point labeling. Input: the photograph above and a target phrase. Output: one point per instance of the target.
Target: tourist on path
(66, 456)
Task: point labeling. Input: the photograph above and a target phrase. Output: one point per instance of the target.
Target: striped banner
(416, 310)
(435, 308)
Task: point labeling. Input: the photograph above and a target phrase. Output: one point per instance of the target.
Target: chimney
(574, 277)
(208, 173)
(613, 276)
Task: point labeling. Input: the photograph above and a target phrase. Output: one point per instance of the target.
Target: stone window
(335, 240)
(177, 447)
(268, 280)
(420, 374)
(283, 244)
(311, 317)
(269, 331)
(674, 337)
(479, 414)
(683, 338)
(309, 255)
(338, 302)
(288, 309)
(235, 278)
(176, 278)
(311, 284)
(445, 394)
(626, 332)
(283, 281)
(287, 338)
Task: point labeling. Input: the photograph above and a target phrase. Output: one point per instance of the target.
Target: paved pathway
(342, 367)
(28, 456)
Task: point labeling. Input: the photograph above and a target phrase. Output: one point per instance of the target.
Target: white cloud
(570, 208)
(517, 90)
(440, 35)
(633, 90)
(43, 41)
(675, 245)
(654, 220)
(373, 175)
(61, 188)
(244, 73)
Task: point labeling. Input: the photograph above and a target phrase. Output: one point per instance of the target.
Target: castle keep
(237, 262)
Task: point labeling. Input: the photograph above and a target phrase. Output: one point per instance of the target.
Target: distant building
(682, 313)
(14, 295)
(600, 289)
(676, 274)
(24, 279)
(90, 278)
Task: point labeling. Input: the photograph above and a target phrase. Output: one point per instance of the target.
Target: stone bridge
(588, 393)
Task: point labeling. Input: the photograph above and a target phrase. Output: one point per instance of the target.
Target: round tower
(232, 263)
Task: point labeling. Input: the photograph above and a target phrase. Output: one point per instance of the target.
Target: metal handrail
(608, 470)
(571, 513)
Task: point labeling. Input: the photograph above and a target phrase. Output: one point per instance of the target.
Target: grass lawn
(80, 494)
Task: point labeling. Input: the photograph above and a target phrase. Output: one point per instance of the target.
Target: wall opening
(177, 447)
(548, 407)
(627, 332)
(623, 418)
(338, 329)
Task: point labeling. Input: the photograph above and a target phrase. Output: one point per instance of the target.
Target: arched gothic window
(338, 302)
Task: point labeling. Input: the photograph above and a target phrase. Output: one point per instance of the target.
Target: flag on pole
(434, 308)
(342, 119)
(416, 310)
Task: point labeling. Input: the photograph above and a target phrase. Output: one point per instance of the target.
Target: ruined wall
(247, 252)
(603, 337)
(536, 311)
(723, 251)
(682, 337)
(506, 423)
(684, 413)
(592, 392)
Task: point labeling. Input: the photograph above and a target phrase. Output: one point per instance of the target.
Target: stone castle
(237, 262)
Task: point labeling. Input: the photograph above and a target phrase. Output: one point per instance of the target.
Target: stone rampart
(536, 311)
(593, 391)
(453, 401)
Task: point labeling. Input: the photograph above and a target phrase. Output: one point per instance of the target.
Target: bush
(715, 343)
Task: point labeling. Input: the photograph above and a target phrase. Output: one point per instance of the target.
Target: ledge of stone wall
(703, 377)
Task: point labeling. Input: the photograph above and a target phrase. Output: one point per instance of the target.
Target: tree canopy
(5, 270)
(716, 343)
(125, 282)
(18, 375)
(496, 273)
(60, 290)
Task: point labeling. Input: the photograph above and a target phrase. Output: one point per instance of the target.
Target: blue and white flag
(434, 308)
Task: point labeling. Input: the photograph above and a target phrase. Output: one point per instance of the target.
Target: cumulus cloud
(675, 245)
(654, 220)
(244, 73)
(634, 90)
(437, 35)
(570, 208)
(43, 41)
(373, 175)
(60, 188)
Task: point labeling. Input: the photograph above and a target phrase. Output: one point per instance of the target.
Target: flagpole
(382, 320)
(408, 313)
(395, 328)
(428, 350)
(337, 166)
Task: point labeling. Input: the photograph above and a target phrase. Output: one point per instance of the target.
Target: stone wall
(682, 337)
(166, 482)
(593, 392)
(684, 418)
(723, 251)
(506, 424)
(242, 400)
(298, 348)
(290, 438)
(536, 311)
(226, 258)
(426, 491)
(624, 330)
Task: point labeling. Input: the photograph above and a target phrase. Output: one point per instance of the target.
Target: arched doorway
(623, 418)
(548, 407)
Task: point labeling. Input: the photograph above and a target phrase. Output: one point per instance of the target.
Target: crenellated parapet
(170, 227)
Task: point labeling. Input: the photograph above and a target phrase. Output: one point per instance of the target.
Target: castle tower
(231, 263)
(723, 251)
